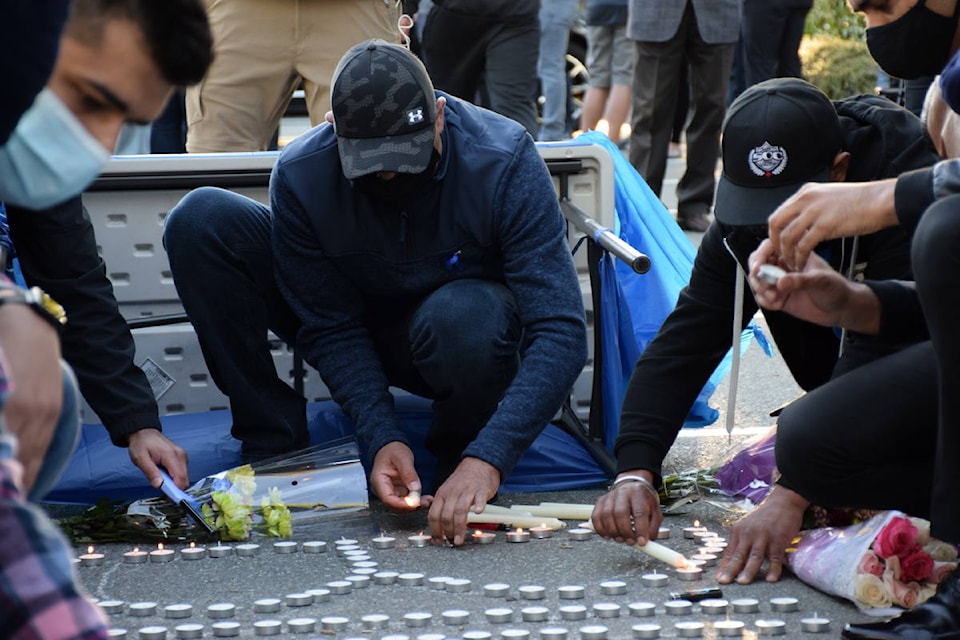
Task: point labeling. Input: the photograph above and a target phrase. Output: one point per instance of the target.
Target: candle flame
(543, 525)
(519, 529)
(696, 523)
(136, 549)
(159, 546)
(90, 549)
(193, 545)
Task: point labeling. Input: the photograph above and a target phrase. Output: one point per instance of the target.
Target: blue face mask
(49, 157)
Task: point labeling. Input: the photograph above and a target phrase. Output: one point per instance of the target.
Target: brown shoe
(697, 222)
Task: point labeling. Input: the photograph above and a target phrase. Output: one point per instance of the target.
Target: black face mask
(400, 189)
(915, 44)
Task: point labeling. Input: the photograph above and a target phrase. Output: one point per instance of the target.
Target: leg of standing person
(239, 103)
(460, 347)
(656, 77)
(681, 112)
(709, 79)
(761, 33)
(218, 243)
(794, 23)
(599, 65)
(621, 91)
(454, 49)
(510, 75)
(168, 133)
(325, 30)
(555, 19)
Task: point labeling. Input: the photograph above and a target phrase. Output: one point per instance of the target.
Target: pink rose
(897, 538)
(903, 594)
(871, 564)
(940, 571)
(916, 566)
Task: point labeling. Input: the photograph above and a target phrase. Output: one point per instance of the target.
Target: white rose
(923, 530)
(870, 591)
(940, 551)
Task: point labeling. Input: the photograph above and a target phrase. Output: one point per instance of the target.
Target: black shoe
(697, 222)
(936, 619)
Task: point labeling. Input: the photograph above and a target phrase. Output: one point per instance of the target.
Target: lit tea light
(91, 558)
(193, 552)
(384, 542)
(483, 537)
(220, 551)
(247, 550)
(419, 540)
(135, 557)
(689, 573)
(541, 531)
(161, 554)
(706, 559)
(412, 499)
(816, 624)
(518, 536)
(689, 531)
(729, 628)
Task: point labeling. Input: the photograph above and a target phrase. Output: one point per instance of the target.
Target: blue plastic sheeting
(100, 470)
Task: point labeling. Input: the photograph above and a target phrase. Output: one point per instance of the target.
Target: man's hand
(629, 513)
(394, 475)
(150, 449)
(31, 348)
(468, 488)
(822, 211)
(763, 534)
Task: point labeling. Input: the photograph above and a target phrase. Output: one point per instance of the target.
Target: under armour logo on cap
(767, 160)
(415, 116)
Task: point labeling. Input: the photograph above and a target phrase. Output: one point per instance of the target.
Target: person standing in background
(610, 56)
(668, 34)
(264, 50)
(556, 17)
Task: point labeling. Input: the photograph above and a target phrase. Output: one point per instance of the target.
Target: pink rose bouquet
(886, 561)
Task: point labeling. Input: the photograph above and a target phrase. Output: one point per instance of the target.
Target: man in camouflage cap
(417, 242)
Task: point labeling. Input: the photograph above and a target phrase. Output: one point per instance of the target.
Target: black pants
(495, 57)
(887, 435)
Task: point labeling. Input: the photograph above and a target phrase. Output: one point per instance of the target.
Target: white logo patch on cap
(414, 116)
(767, 160)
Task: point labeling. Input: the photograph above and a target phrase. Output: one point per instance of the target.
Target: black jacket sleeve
(58, 252)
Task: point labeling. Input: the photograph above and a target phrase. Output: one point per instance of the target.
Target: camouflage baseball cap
(383, 109)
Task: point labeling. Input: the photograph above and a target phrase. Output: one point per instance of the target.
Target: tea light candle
(193, 552)
(142, 609)
(113, 607)
(135, 557)
(298, 599)
(152, 633)
(385, 577)
(267, 627)
(498, 615)
(816, 624)
(785, 604)
(476, 635)
(220, 551)
(314, 546)
(678, 607)
(714, 606)
(642, 609)
(646, 630)
(496, 590)
(419, 540)
(91, 558)
(178, 610)
(613, 588)
(483, 537)
(689, 531)
(220, 610)
(579, 534)
(116, 633)
(328, 623)
(306, 625)
(352, 554)
(573, 612)
(532, 592)
(266, 605)
(654, 579)
(455, 616)
(554, 633)
(689, 629)
(745, 605)
(606, 610)
(340, 587)
(515, 634)
(458, 585)
(534, 614)
(412, 499)
(358, 581)
(226, 629)
(189, 631)
(438, 583)
(571, 592)
(771, 627)
(705, 559)
(410, 579)
(160, 554)
(689, 573)
(384, 542)
(375, 621)
(518, 536)
(361, 568)
(728, 627)
(542, 531)
(593, 632)
(663, 533)
(319, 595)
(285, 546)
(417, 618)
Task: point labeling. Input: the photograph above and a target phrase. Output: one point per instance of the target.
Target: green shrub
(839, 67)
(834, 18)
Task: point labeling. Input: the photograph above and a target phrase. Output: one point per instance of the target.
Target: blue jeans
(555, 19)
(64, 440)
(458, 346)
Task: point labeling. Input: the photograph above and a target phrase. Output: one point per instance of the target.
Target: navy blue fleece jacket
(342, 256)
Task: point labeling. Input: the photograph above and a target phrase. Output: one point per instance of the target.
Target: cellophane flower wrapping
(287, 496)
(750, 470)
(882, 564)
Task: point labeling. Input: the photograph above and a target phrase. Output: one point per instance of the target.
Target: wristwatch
(38, 300)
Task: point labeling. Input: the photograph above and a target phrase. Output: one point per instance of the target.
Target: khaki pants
(264, 49)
